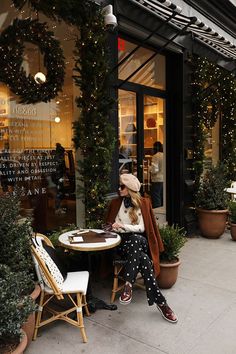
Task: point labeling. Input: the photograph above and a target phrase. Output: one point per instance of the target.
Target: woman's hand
(117, 226)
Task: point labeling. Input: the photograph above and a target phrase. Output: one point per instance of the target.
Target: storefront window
(211, 147)
(127, 132)
(152, 74)
(36, 151)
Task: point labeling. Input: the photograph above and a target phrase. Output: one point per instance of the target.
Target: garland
(93, 132)
(214, 94)
(73, 12)
(11, 58)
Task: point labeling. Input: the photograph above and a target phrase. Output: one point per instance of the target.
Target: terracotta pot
(233, 231)
(29, 326)
(212, 223)
(21, 346)
(168, 274)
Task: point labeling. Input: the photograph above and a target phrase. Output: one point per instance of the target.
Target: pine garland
(215, 87)
(93, 132)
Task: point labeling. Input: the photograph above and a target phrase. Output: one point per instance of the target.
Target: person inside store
(58, 177)
(132, 217)
(157, 175)
(124, 158)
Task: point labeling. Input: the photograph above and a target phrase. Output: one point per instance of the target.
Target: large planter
(168, 274)
(29, 326)
(233, 231)
(212, 223)
(21, 346)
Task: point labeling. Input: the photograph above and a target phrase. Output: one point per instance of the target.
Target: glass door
(154, 170)
(142, 144)
(127, 132)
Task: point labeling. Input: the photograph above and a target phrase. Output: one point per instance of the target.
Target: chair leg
(115, 284)
(39, 315)
(80, 317)
(116, 287)
(85, 305)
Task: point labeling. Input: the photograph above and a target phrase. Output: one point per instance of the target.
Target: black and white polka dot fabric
(52, 267)
(134, 249)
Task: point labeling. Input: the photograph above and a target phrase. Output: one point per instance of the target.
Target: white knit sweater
(123, 218)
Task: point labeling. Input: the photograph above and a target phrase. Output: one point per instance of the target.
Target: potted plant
(211, 202)
(15, 309)
(173, 238)
(15, 252)
(232, 219)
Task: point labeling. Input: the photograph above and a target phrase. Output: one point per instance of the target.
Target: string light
(214, 86)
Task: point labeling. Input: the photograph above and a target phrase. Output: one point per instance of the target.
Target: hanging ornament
(57, 119)
(40, 78)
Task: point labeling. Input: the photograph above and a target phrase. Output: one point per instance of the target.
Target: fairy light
(212, 84)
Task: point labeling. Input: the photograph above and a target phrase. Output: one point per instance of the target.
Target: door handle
(144, 184)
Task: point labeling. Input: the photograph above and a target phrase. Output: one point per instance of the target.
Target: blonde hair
(136, 202)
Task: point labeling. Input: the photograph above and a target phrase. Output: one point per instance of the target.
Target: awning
(221, 43)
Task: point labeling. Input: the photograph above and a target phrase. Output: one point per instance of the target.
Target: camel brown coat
(151, 228)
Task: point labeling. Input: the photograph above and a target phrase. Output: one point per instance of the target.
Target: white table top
(231, 190)
(83, 246)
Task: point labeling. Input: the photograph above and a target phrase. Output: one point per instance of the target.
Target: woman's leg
(154, 294)
(130, 249)
(135, 251)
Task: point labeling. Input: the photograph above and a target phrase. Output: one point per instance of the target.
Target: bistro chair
(74, 284)
(118, 280)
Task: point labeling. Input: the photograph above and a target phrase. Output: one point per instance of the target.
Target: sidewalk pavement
(204, 298)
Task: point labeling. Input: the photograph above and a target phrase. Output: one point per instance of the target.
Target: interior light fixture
(40, 78)
(57, 119)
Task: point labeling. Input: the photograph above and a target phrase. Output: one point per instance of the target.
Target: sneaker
(126, 296)
(167, 313)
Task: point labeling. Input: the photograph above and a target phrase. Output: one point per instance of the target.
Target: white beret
(130, 181)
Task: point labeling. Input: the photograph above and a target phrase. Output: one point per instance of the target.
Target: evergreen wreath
(11, 58)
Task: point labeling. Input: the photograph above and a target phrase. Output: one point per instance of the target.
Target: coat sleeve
(108, 215)
(153, 234)
(156, 229)
(112, 210)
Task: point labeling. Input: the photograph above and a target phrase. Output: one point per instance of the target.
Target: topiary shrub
(14, 307)
(15, 239)
(232, 211)
(173, 238)
(211, 194)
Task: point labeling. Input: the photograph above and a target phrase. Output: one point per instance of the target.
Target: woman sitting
(132, 217)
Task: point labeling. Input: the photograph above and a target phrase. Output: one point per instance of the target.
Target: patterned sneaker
(126, 296)
(167, 313)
